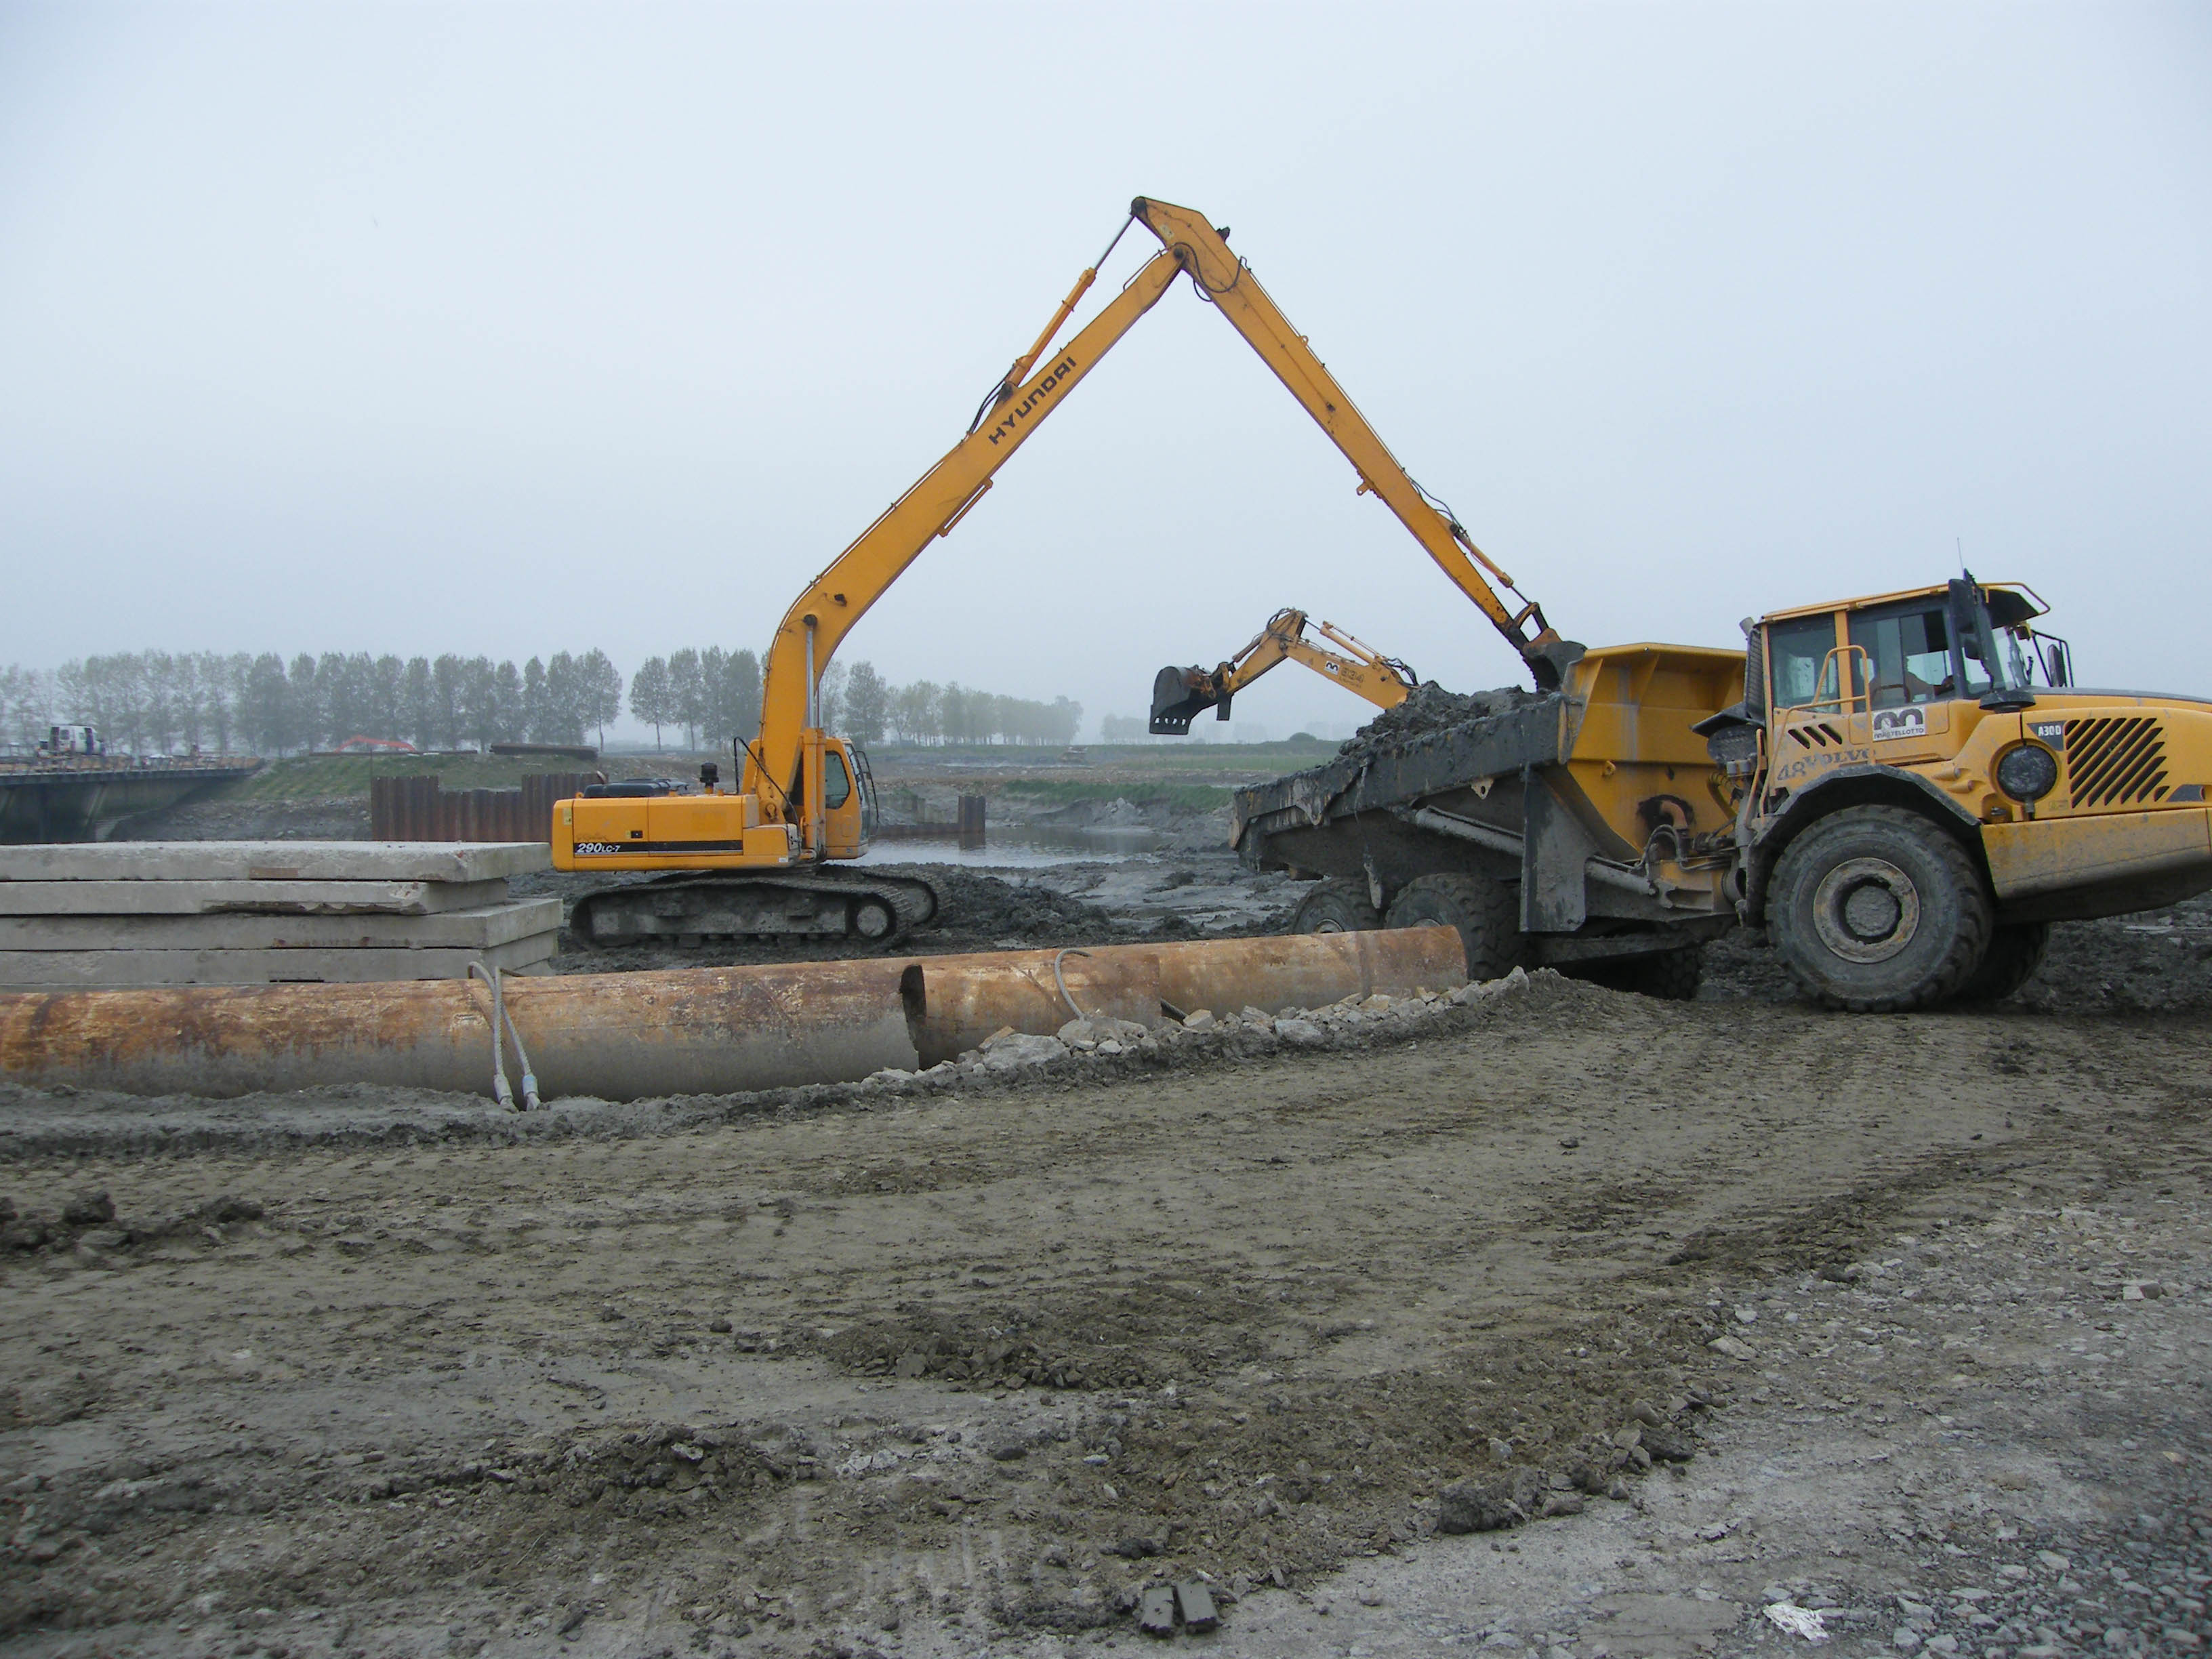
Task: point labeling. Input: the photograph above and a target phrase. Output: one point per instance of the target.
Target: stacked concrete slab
(92, 916)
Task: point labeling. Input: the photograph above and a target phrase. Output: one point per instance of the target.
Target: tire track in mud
(1427, 1270)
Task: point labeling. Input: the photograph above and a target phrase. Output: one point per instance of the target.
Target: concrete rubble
(111, 915)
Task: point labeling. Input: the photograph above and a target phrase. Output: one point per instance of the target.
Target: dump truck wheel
(1486, 914)
(1672, 975)
(1336, 906)
(2015, 952)
(1875, 909)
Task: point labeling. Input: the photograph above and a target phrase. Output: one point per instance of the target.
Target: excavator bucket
(1180, 695)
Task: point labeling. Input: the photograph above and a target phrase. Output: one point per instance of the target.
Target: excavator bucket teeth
(1176, 703)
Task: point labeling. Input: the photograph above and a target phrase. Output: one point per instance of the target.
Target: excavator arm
(818, 621)
(1180, 695)
(1224, 279)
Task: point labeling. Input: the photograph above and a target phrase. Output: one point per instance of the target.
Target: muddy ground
(1719, 1306)
(1907, 1316)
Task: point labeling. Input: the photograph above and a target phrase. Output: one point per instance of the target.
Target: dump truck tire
(1672, 975)
(1486, 914)
(1877, 910)
(1338, 905)
(2015, 952)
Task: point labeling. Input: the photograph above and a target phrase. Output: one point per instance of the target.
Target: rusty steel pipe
(953, 1002)
(1309, 970)
(617, 1036)
(963, 1000)
(686, 1031)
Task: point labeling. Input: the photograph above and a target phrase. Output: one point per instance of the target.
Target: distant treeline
(716, 696)
(153, 701)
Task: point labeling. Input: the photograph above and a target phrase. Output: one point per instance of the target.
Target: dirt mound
(1430, 709)
(987, 905)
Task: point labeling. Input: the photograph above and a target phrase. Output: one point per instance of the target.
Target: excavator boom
(819, 619)
(758, 860)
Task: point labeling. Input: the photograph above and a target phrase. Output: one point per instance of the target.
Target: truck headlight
(2027, 772)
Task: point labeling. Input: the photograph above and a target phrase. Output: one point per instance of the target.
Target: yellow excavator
(759, 859)
(1180, 695)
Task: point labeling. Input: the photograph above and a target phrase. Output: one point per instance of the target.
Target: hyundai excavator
(1180, 695)
(761, 858)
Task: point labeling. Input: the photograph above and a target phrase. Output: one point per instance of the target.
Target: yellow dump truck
(1905, 790)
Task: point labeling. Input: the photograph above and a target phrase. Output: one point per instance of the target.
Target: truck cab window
(836, 783)
(1798, 660)
(1907, 657)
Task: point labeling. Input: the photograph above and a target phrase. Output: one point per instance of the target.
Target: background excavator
(761, 858)
(1180, 695)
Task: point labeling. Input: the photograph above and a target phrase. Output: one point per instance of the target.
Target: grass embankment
(1066, 791)
(322, 777)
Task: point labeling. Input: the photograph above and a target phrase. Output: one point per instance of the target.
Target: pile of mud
(1430, 709)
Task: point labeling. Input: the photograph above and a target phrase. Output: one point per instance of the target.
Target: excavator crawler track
(686, 908)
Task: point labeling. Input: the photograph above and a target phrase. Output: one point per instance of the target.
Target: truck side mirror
(2056, 666)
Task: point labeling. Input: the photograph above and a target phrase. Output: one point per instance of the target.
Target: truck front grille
(2115, 761)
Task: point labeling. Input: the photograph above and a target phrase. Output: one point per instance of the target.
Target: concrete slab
(273, 860)
(208, 898)
(491, 924)
(99, 970)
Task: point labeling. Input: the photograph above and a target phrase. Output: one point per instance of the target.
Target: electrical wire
(1062, 983)
(501, 1017)
(1205, 289)
(783, 794)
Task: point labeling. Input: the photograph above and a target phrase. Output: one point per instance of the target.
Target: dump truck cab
(1920, 790)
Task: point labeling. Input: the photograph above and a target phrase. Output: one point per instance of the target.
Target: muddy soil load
(1430, 709)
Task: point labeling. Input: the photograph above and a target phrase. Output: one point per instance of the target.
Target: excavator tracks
(821, 903)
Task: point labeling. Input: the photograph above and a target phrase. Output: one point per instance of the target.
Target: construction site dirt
(1692, 1309)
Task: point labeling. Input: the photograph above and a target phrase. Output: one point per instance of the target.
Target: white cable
(501, 1017)
(1062, 983)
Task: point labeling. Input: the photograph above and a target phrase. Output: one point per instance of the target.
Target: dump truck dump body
(1594, 801)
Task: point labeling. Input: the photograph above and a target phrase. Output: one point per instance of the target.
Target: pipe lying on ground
(618, 1037)
(686, 1031)
(1309, 971)
(954, 1003)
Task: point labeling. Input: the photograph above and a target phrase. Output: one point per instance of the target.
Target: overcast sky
(513, 329)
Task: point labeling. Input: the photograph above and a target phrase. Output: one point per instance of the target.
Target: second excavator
(1180, 695)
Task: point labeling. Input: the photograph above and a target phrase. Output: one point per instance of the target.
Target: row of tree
(153, 701)
(716, 696)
